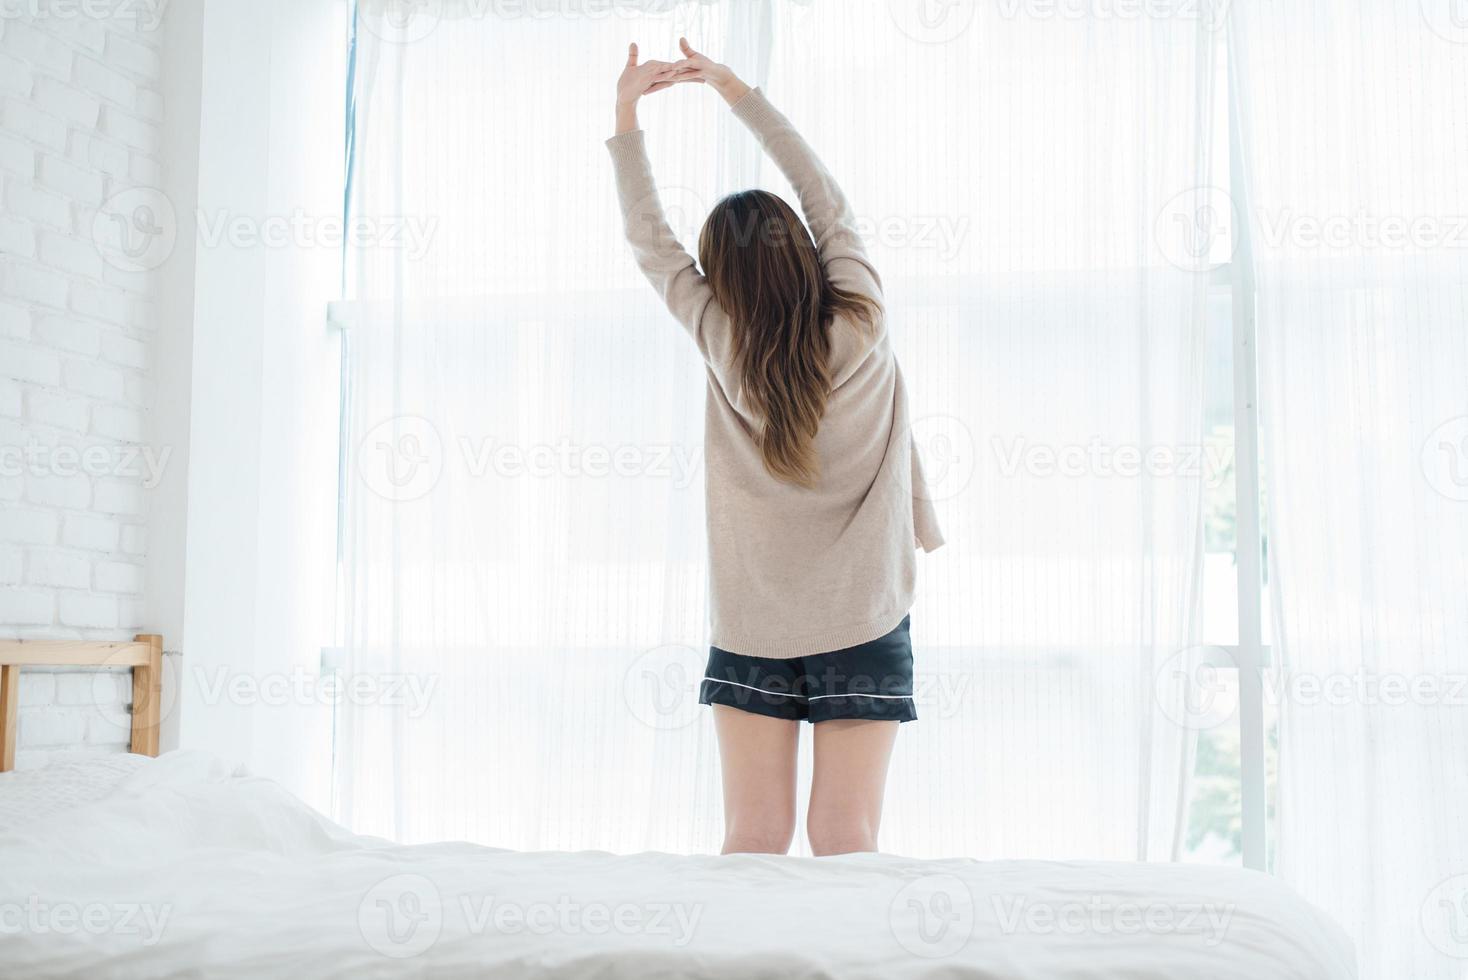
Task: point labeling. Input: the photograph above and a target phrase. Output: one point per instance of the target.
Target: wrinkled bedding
(184, 866)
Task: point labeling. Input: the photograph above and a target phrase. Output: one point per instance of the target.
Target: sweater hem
(828, 641)
(930, 542)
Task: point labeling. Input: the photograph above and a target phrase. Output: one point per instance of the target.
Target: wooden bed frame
(144, 655)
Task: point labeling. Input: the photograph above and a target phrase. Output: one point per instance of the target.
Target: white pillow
(31, 794)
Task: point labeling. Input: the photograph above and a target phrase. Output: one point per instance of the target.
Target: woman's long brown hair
(766, 274)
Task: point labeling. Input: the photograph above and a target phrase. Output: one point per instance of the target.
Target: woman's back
(795, 569)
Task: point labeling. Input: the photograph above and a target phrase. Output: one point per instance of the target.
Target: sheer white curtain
(524, 529)
(1357, 144)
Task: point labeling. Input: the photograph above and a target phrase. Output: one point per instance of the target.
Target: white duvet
(184, 868)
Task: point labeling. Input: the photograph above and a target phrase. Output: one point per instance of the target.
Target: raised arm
(665, 263)
(826, 210)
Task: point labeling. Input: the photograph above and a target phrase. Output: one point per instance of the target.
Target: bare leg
(851, 759)
(757, 758)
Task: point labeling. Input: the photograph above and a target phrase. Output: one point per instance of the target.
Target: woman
(812, 514)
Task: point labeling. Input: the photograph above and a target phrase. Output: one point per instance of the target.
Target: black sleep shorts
(872, 680)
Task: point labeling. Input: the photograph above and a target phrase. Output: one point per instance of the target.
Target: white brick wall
(79, 122)
(70, 711)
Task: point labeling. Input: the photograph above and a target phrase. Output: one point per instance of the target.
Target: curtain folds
(524, 532)
(1356, 146)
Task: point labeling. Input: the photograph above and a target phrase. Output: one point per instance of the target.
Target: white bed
(181, 867)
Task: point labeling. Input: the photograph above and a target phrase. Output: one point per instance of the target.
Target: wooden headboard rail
(144, 655)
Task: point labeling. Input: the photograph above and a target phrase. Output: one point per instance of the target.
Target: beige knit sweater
(795, 571)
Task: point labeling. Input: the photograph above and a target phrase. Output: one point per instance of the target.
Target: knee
(762, 835)
(840, 834)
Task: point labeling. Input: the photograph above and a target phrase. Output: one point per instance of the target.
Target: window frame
(1250, 656)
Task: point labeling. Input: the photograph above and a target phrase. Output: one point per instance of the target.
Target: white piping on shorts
(891, 697)
(786, 694)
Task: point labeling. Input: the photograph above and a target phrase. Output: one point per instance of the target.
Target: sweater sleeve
(664, 262)
(924, 516)
(826, 210)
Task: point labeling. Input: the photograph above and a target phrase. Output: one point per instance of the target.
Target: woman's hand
(650, 76)
(638, 80)
(701, 68)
